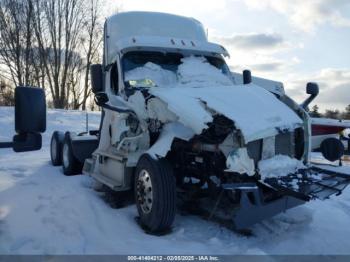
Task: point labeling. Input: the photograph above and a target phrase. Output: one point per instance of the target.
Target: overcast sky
(293, 41)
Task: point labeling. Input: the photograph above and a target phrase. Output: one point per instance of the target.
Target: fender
(83, 146)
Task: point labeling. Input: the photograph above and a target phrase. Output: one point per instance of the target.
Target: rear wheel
(71, 166)
(155, 194)
(56, 148)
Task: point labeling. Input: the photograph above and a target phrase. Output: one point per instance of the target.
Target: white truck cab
(176, 120)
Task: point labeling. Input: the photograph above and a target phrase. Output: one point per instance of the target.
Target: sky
(294, 42)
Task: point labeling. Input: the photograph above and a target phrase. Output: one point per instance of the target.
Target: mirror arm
(6, 145)
(117, 109)
(308, 101)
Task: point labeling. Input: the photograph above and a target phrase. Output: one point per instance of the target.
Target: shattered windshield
(151, 69)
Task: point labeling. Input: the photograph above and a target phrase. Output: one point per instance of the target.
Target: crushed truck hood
(254, 110)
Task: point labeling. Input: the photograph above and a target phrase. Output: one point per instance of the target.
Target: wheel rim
(54, 149)
(65, 155)
(145, 191)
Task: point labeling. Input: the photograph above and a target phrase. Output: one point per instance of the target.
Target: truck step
(107, 181)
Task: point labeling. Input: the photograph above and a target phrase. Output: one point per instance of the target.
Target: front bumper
(293, 190)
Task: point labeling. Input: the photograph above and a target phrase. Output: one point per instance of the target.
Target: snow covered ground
(44, 212)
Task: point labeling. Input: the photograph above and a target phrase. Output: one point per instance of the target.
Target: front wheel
(155, 194)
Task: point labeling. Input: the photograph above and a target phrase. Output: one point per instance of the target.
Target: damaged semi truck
(177, 125)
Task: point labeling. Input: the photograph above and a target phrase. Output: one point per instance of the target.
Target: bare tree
(91, 43)
(51, 43)
(75, 91)
(6, 94)
(16, 42)
(57, 26)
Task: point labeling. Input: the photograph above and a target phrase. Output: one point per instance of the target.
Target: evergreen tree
(314, 112)
(346, 114)
(334, 114)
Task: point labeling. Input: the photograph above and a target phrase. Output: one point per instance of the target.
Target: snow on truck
(177, 126)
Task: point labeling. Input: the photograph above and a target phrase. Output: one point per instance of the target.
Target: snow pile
(255, 111)
(153, 72)
(169, 132)
(294, 184)
(197, 72)
(346, 133)
(239, 161)
(279, 166)
(192, 72)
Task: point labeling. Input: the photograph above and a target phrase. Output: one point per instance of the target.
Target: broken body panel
(182, 103)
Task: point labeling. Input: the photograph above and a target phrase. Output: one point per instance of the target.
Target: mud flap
(294, 190)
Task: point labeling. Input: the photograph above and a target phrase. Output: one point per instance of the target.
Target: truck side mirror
(30, 110)
(312, 90)
(247, 77)
(96, 74)
(27, 142)
(30, 118)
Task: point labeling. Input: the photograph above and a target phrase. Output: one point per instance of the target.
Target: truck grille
(284, 145)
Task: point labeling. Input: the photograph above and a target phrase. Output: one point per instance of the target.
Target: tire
(157, 208)
(56, 148)
(71, 166)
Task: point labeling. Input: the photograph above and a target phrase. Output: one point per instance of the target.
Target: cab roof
(130, 30)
